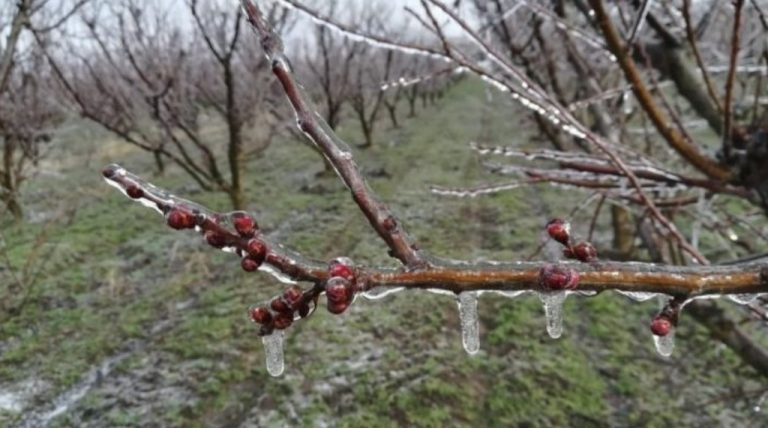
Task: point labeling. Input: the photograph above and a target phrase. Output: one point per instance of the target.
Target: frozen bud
(559, 230)
(661, 325)
(337, 307)
(292, 295)
(179, 218)
(556, 277)
(134, 190)
(278, 304)
(260, 315)
(250, 265)
(338, 290)
(257, 250)
(215, 239)
(584, 251)
(283, 320)
(341, 267)
(110, 171)
(244, 224)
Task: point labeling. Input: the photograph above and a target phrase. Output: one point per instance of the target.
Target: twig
(335, 150)
(728, 116)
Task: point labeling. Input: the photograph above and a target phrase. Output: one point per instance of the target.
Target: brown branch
(691, 35)
(685, 148)
(335, 150)
(733, 59)
(461, 276)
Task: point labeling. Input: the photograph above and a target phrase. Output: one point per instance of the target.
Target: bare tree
(153, 85)
(27, 112)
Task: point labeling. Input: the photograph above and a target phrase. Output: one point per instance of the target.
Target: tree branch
(335, 150)
(464, 276)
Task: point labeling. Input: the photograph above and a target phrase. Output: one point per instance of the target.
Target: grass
(119, 281)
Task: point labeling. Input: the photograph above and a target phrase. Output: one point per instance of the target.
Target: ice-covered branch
(340, 280)
(221, 231)
(334, 149)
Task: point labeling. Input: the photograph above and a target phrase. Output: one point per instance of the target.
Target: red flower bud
(559, 230)
(180, 218)
(134, 191)
(337, 307)
(556, 277)
(341, 267)
(249, 265)
(292, 295)
(215, 239)
(661, 325)
(244, 224)
(283, 320)
(337, 290)
(260, 315)
(585, 251)
(257, 250)
(278, 304)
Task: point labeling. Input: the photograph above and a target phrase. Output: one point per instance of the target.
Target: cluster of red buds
(283, 310)
(560, 230)
(295, 303)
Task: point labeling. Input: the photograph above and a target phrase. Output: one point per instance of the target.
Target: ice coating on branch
(553, 311)
(441, 291)
(637, 295)
(273, 352)
(280, 276)
(743, 299)
(509, 294)
(665, 344)
(470, 322)
(380, 292)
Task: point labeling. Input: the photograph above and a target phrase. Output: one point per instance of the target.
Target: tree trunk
(411, 106)
(235, 152)
(623, 231)
(392, 110)
(9, 187)
(159, 163)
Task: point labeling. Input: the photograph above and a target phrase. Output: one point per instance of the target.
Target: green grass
(118, 277)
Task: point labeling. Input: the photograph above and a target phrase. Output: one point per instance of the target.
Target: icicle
(470, 323)
(273, 352)
(665, 344)
(742, 299)
(553, 310)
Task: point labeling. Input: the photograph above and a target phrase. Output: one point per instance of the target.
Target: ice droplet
(665, 344)
(553, 311)
(742, 299)
(273, 352)
(757, 408)
(470, 323)
(380, 292)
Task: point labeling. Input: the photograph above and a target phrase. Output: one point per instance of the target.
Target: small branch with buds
(340, 279)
